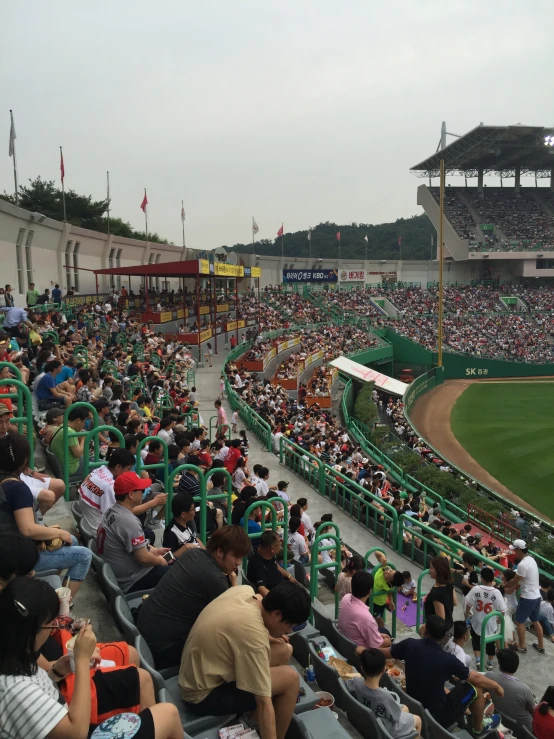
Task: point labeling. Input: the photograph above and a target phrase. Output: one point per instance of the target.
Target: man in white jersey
(484, 599)
(96, 491)
(529, 605)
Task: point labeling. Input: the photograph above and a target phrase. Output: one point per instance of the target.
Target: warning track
(431, 417)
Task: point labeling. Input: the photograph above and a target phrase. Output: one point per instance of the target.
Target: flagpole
(365, 248)
(441, 254)
(108, 192)
(146, 218)
(12, 146)
(183, 220)
(282, 240)
(63, 186)
(252, 235)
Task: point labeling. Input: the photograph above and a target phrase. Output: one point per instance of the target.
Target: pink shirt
(221, 416)
(357, 623)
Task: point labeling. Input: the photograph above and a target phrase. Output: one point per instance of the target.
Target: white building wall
(47, 253)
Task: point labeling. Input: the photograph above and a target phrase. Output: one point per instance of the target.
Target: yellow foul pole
(441, 260)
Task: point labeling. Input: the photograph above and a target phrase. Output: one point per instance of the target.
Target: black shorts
(117, 690)
(131, 725)
(224, 699)
(490, 647)
(457, 701)
(379, 611)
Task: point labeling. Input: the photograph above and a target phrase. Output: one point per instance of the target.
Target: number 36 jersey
(485, 599)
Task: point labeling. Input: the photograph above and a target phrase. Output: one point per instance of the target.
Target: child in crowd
(408, 588)
(456, 644)
(234, 421)
(508, 590)
(396, 718)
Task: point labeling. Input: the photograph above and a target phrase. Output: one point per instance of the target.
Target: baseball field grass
(508, 428)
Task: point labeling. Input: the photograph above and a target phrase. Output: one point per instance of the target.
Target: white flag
(255, 228)
(13, 136)
(310, 234)
(366, 239)
(183, 213)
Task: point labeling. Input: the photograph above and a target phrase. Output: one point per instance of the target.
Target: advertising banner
(310, 275)
(351, 275)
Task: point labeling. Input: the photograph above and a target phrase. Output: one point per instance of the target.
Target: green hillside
(383, 239)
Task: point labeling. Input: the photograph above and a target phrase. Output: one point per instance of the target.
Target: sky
(294, 112)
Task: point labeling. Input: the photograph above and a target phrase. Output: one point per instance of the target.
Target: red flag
(144, 202)
(62, 168)
(280, 231)
(338, 236)
(400, 240)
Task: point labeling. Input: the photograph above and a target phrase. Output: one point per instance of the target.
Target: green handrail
(51, 334)
(228, 494)
(110, 367)
(214, 429)
(92, 434)
(81, 354)
(65, 439)
(267, 506)
(499, 636)
(203, 498)
(138, 351)
(190, 379)
(162, 465)
(24, 408)
(371, 551)
(316, 566)
(419, 611)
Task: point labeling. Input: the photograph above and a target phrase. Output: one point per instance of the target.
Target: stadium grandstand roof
(494, 149)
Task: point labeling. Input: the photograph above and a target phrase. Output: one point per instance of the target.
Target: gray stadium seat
(361, 718)
(76, 510)
(169, 688)
(322, 621)
(436, 731)
(318, 724)
(326, 676)
(414, 706)
(346, 647)
(86, 531)
(300, 641)
(97, 562)
(124, 620)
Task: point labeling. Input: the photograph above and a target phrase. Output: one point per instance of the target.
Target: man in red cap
(121, 541)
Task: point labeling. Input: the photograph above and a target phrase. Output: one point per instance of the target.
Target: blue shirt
(14, 316)
(253, 528)
(57, 295)
(44, 387)
(66, 373)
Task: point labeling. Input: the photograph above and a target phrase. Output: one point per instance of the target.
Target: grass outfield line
(508, 428)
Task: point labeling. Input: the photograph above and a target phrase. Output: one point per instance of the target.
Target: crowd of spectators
(522, 218)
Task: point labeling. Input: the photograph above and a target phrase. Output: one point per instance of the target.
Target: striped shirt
(29, 706)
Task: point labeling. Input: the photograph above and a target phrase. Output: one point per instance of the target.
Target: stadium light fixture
(549, 140)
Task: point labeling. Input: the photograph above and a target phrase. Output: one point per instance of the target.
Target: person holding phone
(121, 541)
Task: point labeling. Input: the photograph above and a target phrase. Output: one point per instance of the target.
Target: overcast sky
(298, 111)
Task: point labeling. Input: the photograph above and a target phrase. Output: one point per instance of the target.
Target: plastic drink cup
(64, 594)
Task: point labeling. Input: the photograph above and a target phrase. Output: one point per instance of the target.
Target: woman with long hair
(31, 705)
(17, 513)
(543, 718)
(344, 580)
(441, 599)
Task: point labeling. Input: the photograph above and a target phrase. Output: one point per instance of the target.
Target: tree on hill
(383, 241)
(45, 197)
